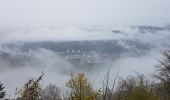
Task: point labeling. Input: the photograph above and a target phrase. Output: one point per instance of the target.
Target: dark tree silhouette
(163, 72)
(2, 93)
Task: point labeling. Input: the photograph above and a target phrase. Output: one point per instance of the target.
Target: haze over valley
(93, 37)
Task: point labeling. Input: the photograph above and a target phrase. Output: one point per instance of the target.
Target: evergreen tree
(2, 93)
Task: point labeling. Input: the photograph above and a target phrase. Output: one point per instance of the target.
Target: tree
(135, 88)
(31, 90)
(51, 92)
(107, 91)
(141, 93)
(2, 93)
(163, 72)
(81, 88)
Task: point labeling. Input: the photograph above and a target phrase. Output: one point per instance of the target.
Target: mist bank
(62, 51)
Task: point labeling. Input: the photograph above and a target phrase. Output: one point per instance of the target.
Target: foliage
(31, 90)
(163, 72)
(135, 88)
(141, 93)
(81, 89)
(132, 88)
(2, 93)
(51, 92)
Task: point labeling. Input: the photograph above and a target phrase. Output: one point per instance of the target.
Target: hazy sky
(51, 13)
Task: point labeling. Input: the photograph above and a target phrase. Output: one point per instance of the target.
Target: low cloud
(25, 54)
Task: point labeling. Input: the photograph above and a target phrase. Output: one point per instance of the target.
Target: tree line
(80, 88)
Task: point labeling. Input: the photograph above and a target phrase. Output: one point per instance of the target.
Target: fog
(60, 37)
(20, 60)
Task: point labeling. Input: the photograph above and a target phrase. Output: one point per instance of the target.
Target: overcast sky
(43, 17)
(51, 13)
